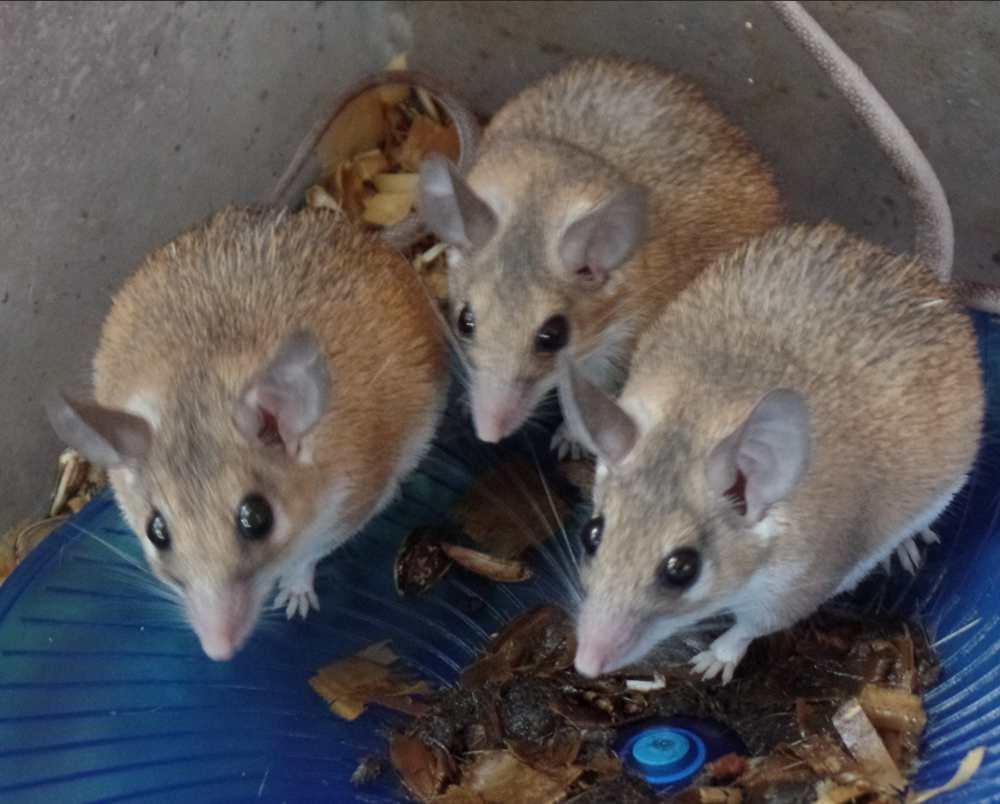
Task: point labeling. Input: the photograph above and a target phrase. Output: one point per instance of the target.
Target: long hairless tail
(935, 233)
(409, 230)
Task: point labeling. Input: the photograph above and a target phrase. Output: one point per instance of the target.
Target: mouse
(262, 385)
(594, 197)
(802, 409)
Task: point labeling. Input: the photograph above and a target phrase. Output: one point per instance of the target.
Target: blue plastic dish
(105, 695)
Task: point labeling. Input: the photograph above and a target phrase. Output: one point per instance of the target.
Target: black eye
(680, 569)
(254, 517)
(157, 531)
(591, 535)
(553, 334)
(466, 322)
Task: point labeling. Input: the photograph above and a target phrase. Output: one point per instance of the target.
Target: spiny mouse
(595, 197)
(805, 407)
(263, 383)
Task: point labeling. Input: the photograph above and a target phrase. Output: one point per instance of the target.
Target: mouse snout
(223, 619)
(605, 643)
(499, 408)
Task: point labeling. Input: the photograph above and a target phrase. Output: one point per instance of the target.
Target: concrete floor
(124, 123)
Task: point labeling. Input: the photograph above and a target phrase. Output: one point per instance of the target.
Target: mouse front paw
(296, 594)
(722, 656)
(565, 446)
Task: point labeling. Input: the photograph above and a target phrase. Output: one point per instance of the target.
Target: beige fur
(888, 366)
(558, 150)
(185, 336)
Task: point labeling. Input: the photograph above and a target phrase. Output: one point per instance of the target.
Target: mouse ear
(762, 462)
(107, 437)
(451, 209)
(603, 239)
(285, 399)
(593, 417)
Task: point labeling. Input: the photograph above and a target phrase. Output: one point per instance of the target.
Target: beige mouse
(595, 197)
(263, 384)
(807, 405)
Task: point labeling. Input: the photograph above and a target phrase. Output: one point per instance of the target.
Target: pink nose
(223, 620)
(604, 643)
(498, 409)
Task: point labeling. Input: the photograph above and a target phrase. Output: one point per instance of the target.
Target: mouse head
(218, 496)
(683, 513)
(535, 268)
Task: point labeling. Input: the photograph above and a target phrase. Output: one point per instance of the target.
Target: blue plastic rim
(105, 695)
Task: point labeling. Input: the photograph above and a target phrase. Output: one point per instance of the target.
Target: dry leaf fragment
(726, 768)
(79, 479)
(425, 769)
(828, 792)
(397, 183)
(864, 744)
(893, 709)
(501, 778)
(456, 794)
(385, 209)
(349, 190)
(368, 677)
(372, 150)
(360, 127)
(426, 137)
(430, 107)
(370, 164)
(508, 570)
(21, 539)
(317, 197)
(432, 267)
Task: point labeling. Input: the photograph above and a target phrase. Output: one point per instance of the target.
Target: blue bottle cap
(665, 754)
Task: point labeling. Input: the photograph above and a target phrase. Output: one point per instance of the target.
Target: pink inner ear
(737, 494)
(269, 433)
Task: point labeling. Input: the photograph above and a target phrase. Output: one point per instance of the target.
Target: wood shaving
(371, 153)
(79, 480)
(866, 746)
(507, 570)
(521, 719)
(964, 773)
(368, 677)
(431, 266)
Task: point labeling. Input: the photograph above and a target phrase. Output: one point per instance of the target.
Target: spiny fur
(889, 368)
(575, 136)
(203, 314)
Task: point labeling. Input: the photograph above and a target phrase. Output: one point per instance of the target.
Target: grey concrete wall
(123, 123)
